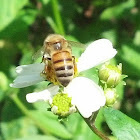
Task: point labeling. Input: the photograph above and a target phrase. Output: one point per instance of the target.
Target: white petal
(54, 109)
(44, 95)
(30, 69)
(72, 109)
(26, 80)
(28, 75)
(96, 53)
(86, 95)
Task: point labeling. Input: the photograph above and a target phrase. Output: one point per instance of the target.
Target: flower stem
(91, 123)
(27, 113)
(58, 20)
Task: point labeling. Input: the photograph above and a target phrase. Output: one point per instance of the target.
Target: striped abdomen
(63, 66)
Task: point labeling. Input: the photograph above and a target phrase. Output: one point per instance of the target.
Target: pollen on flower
(49, 74)
(62, 104)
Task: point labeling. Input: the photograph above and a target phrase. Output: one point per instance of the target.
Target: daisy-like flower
(82, 92)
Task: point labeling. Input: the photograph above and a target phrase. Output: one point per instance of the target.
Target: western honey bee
(60, 65)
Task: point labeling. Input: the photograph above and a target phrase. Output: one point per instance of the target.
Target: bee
(60, 65)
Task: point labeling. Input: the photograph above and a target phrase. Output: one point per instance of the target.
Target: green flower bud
(111, 96)
(61, 105)
(110, 74)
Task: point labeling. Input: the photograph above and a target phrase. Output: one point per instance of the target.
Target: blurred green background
(24, 24)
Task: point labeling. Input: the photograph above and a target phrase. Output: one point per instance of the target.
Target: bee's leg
(42, 59)
(47, 62)
(73, 59)
(75, 66)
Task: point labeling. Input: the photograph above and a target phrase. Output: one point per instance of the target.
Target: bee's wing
(39, 53)
(77, 44)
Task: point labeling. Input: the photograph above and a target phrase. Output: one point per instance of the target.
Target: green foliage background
(24, 24)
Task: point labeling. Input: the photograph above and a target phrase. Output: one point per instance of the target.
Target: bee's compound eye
(57, 46)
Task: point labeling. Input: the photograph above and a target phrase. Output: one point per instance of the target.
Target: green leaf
(3, 85)
(135, 111)
(137, 38)
(111, 35)
(27, 55)
(37, 137)
(3, 81)
(18, 128)
(123, 127)
(130, 57)
(117, 10)
(18, 29)
(91, 74)
(13, 125)
(8, 11)
(53, 126)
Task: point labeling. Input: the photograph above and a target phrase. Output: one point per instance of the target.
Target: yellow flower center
(63, 104)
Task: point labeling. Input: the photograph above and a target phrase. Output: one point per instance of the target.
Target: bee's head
(54, 43)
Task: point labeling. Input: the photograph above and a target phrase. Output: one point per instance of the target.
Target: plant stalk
(91, 123)
(57, 16)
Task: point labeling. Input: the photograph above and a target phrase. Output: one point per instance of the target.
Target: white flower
(28, 75)
(86, 95)
(96, 53)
